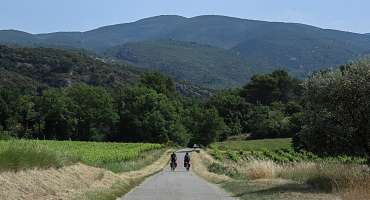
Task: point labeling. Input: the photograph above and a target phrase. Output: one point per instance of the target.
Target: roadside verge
(77, 181)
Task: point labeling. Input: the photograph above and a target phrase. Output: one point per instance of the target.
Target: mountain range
(204, 65)
(30, 69)
(212, 51)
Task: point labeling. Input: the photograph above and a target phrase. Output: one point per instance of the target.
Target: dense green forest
(148, 111)
(326, 113)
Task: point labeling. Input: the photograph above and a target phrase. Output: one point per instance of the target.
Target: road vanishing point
(177, 185)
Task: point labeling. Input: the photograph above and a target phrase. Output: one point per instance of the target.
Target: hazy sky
(38, 16)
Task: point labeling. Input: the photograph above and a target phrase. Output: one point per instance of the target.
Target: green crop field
(278, 150)
(254, 145)
(21, 154)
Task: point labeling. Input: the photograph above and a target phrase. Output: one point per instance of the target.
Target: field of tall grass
(17, 155)
(345, 177)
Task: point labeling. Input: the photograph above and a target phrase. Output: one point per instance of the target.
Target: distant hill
(99, 39)
(44, 67)
(17, 37)
(263, 45)
(199, 64)
(302, 49)
(32, 68)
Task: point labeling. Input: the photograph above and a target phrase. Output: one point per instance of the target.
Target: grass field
(25, 154)
(266, 169)
(254, 145)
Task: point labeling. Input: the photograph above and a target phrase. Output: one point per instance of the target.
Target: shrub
(217, 154)
(336, 111)
(232, 155)
(230, 169)
(217, 168)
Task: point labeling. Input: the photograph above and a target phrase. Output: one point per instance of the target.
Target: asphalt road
(177, 185)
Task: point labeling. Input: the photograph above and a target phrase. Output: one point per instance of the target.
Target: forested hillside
(265, 46)
(199, 64)
(41, 67)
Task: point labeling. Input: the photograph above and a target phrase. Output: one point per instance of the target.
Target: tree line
(149, 111)
(328, 113)
(152, 111)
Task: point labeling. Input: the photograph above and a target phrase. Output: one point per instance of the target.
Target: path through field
(178, 185)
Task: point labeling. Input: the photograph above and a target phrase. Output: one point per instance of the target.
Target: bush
(217, 168)
(232, 155)
(271, 122)
(229, 169)
(336, 111)
(217, 154)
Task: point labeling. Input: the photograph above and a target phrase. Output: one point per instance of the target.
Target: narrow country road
(178, 185)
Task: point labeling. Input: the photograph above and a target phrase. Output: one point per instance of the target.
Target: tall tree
(146, 115)
(268, 88)
(56, 110)
(4, 113)
(160, 83)
(93, 111)
(233, 109)
(8, 105)
(205, 124)
(28, 116)
(337, 111)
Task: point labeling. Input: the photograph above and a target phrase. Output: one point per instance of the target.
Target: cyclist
(187, 161)
(173, 161)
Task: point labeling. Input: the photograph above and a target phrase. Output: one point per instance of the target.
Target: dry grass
(200, 162)
(349, 181)
(250, 170)
(359, 191)
(304, 180)
(78, 180)
(62, 183)
(325, 176)
(257, 169)
(300, 171)
(261, 179)
(336, 178)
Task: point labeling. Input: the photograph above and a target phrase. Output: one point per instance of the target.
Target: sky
(41, 16)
